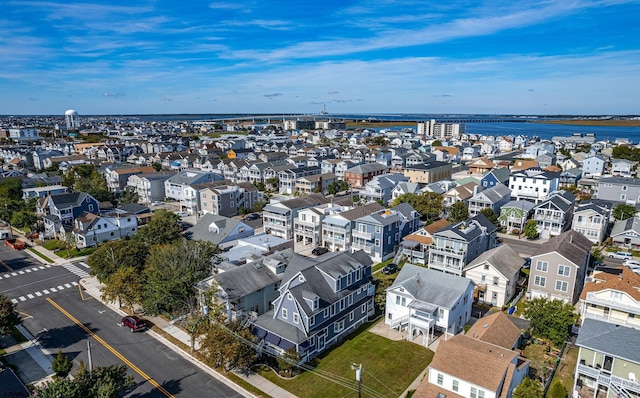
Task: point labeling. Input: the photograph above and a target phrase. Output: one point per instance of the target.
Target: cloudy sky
(386, 56)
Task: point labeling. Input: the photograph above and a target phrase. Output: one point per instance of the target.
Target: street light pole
(358, 369)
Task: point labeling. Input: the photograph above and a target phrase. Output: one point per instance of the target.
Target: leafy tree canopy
(626, 152)
(11, 188)
(429, 204)
(9, 316)
(85, 178)
(491, 216)
(129, 195)
(125, 285)
(103, 382)
(123, 253)
(550, 319)
(458, 212)
(528, 389)
(163, 228)
(531, 229)
(623, 211)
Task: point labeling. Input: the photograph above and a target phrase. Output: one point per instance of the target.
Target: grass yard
(567, 367)
(42, 256)
(389, 367)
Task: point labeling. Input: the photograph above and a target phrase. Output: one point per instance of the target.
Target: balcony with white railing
(334, 238)
(305, 230)
(547, 217)
(592, 298)
(335, 229)
(362, 246)
(274, 217)
(305, 223)
(361, 234)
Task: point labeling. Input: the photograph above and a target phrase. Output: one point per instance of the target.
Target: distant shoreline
(571, 122)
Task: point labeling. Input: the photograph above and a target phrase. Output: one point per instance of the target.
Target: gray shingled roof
(619, 180)
(431, 286)
(200, 231)
(493, 194)
(65, 200)
(571, 244)
(503, 258)
(622, 226)
(610, 339)
(246, 279)
(367, 167)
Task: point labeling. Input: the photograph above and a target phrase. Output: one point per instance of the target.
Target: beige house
(559, 267)
(495, 274)
(428, 172)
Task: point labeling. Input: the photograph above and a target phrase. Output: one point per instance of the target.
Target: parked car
(390, 269)
(631, 263)
(319, 250)
(620, 255)
(252, 216)
(133, 322)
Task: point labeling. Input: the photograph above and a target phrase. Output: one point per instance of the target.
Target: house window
(476, 393)
(289, 296)
(404, 301)
(496, 281)
(377, 229)
(455, 385)
(296, 318)
(351, 316)
(312, 321)
(562, 286)
(542, 266)
(363, 309)
(623, 197)
(440, 379)
(377, 242)
(284, 313)
(564, 270)
(486, 266)
(616, 295)
(90, 207)
(540, 281)
(440, 313)
(624, 187)
(326, 312)
(338, 326)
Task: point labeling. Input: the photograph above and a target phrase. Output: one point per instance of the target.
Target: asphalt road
(65, 319)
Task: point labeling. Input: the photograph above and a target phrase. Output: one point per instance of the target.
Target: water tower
(72, 120)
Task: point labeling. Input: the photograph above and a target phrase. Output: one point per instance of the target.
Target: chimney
(476, 189)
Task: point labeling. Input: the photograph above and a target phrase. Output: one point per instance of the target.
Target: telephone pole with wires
(358, 369)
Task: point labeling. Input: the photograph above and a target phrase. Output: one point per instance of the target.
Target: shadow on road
(172, 386)
(58, 338)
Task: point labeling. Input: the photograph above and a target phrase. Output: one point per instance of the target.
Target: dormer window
(301, 278)
(316, 303)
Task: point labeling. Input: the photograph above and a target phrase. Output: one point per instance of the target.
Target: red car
(132, 322)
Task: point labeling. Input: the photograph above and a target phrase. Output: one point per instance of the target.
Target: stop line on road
(44, 292)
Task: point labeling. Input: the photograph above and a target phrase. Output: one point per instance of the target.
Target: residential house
(546, 160)
(314, 183)
(403, 188)
(495, 275)
(481, 166)
(570, 177)
(498, 329)
(461, 193)
(64, 209)
(428, 172)
(180, 187)
(423, 301)
(470, 152)
(336, 228)
(43, 192)
(359, 176)
(415, 246)
(458, 244)
(492, 198)
(219, 230)
(225, 198)
(379, 234)
(523, 164)
(288, 177)
(468, 367)
(91, 230)
(612, 295)
(514, 214)
(622, 167)
(307, 226)
(607, 365)
(278, 217)
(494, 177)
(149, 186)
(381, 187)
(559, 267)
(619, 189)
(555, 213)
(533, 184)
(593, 166)
(626, 233)
(320, 301)
(592, 220)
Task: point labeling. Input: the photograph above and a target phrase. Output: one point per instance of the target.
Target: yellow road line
(26, 316)
(82, 295)
(113, 350)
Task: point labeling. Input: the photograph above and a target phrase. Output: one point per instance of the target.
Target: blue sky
(387, 56)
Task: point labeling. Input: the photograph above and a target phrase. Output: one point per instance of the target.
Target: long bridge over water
(361, 119)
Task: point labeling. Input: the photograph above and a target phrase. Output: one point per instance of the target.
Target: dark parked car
(319, 250)
(252, 216)
(133, 323)
(390, 269)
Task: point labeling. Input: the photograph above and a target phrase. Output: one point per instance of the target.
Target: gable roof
(431, 286)
(493, 194)
(571, 244)
(246, 279)
(496, 329)
(68, 199)
(503, 258)
(624, 226)
(225, 226)
(501, 174)
(621, 279)
(610, 339)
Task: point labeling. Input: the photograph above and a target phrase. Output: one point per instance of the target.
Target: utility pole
(90, 361)
(358, 369)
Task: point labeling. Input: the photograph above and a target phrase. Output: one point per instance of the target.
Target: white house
(423, 300)
(90, 229)
(180, 187)
(533, 184)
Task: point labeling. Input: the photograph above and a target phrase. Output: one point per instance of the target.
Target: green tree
(171, 273)
(458, 212)
(557, 390)
(9, 316)
(491, 216)
(129, 195)
(550, 319)
(289, 360)
(622, 211)
(126, 285)
(157, 166)
(337, 186)
(273, 183)
(436, 143)
(23, 218)
(125, 253)
(528, 389)
(531, 229)
(85, 178)
(429, 204)
(61, 365)
(228, 346)
(103, 382)
(11, 188)
(163, 228)
(258, 206)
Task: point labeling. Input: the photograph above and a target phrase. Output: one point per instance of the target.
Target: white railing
(359, 234)
(399, 322)
(625, 383)
(592, 298)
(362, 246)
(331, 228)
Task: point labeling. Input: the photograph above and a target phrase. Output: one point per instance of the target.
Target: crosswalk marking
(21, 272)
(5, 276)
(34, 269)
(74, 283)
(24, 271)
(14, 274)
(42, 267)
(38, 294)
(45, 291)
(83, 264)
(27, 270)
(73, 269)
(30, 296)
(14, 301)
(67, 285)
(22, 298)
(53, 289)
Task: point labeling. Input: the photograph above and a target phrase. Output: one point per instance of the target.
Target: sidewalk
(93, 287)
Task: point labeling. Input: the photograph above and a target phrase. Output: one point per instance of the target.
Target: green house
(514, 214)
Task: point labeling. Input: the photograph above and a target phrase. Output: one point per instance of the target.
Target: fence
(547, 382)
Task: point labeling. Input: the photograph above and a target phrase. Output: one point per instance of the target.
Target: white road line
(30, 296)
(21, 272)
(45, 291)
(67, 285)
(27, 271)
(74, 283)
(14, 301)
(47, 266)
(42, 267)
(84, 264)
(14, 274)
(35, 268)
(53, 289)
(22, 298)
(38, 294)
(60, 287)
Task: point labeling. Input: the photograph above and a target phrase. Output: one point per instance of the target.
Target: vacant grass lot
(389, 367)
(567, 367)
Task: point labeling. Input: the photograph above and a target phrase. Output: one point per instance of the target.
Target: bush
(557, 390)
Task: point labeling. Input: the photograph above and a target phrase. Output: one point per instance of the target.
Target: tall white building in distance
(441, 130)
(72, 120)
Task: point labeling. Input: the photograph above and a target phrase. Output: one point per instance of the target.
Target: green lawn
(567, 367)
(42, 256)
(389, 367)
